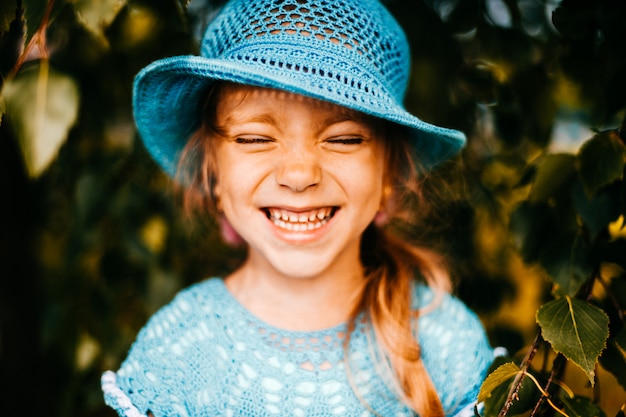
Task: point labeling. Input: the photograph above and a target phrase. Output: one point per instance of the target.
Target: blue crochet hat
(349, 52)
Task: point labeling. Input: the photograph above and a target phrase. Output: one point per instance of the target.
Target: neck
(297, 303)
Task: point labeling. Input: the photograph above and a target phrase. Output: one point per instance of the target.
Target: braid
(390, 267)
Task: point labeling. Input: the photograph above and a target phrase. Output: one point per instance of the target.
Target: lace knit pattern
(205, 355)
(345, 30)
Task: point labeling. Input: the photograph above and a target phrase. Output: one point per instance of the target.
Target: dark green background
(94, 245)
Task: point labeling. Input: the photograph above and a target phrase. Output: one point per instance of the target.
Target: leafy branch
(583, 202)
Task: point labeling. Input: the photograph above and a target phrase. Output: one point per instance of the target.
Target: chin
(301, 271)
(300, 265)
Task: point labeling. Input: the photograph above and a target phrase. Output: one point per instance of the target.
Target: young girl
(290, 129)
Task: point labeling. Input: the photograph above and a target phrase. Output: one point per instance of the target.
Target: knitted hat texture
(348, 52)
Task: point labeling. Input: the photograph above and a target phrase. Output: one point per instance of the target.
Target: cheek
(366, 181)
(227, 172)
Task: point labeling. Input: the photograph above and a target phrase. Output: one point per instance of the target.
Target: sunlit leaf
(87, 350)
(8, 10)
(42, 105)
(554, 172)
(501, 375)
(154, 234)
(98, 15)
(601, 161)
(139, 25)
(576, 329)
(495, 391)
(581, 407)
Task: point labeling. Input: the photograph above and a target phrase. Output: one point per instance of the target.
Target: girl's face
(299, 179)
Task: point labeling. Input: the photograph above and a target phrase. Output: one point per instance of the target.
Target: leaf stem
(558, 367)
(517, 382)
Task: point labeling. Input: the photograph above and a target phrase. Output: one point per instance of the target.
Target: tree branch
(558, 367)
(517, 383)
(38, 40)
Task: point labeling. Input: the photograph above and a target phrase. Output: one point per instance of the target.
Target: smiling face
(299, 179)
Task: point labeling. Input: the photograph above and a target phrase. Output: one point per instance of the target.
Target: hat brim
(167, 96)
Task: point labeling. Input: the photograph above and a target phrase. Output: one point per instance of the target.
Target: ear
(387, 203)
(216, 194)
(228, 233)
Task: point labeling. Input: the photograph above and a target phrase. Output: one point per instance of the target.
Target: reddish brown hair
(391, 264)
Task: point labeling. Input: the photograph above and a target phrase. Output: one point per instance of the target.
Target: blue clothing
(204, 354)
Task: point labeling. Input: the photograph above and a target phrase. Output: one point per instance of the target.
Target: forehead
(233, 97)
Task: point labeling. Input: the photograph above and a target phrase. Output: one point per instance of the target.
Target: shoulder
(159, 366)
(190, 303)
(191, 315)
(454, 346)
(442, 314)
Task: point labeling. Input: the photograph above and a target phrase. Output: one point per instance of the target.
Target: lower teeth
(299, 227)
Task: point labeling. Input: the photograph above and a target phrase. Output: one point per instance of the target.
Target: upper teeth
(307, 220)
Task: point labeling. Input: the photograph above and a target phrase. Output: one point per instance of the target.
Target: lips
(300, 221)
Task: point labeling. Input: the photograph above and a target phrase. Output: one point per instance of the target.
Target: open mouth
(300, 221)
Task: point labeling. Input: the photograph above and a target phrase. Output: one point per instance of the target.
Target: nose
(299, 170)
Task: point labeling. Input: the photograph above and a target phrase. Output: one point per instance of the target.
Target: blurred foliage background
(92, 241)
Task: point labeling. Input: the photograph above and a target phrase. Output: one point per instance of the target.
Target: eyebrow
(266, 118)
(342, 115)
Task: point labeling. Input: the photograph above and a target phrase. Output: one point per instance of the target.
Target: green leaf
(598, 211)
(600, 161)
(3, 108)
(42, 106)
(8, 13)
(498, 377)
(613, 359)
(96, 16)
(495, 391)
(34, 11)
(536, 227)
(581, 407)
(566, 260)
(612, 252)
(620, 340)
(576, 329)
(464, 16)
(554, 173)
(623, 196)
(542, 237)
(528, 221)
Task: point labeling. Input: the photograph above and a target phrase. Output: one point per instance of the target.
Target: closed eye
(252, 140)
(346, 141)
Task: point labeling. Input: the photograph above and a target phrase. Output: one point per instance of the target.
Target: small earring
(229, 234)
(382, 215)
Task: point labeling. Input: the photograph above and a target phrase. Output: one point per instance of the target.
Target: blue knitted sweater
(204, 354)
